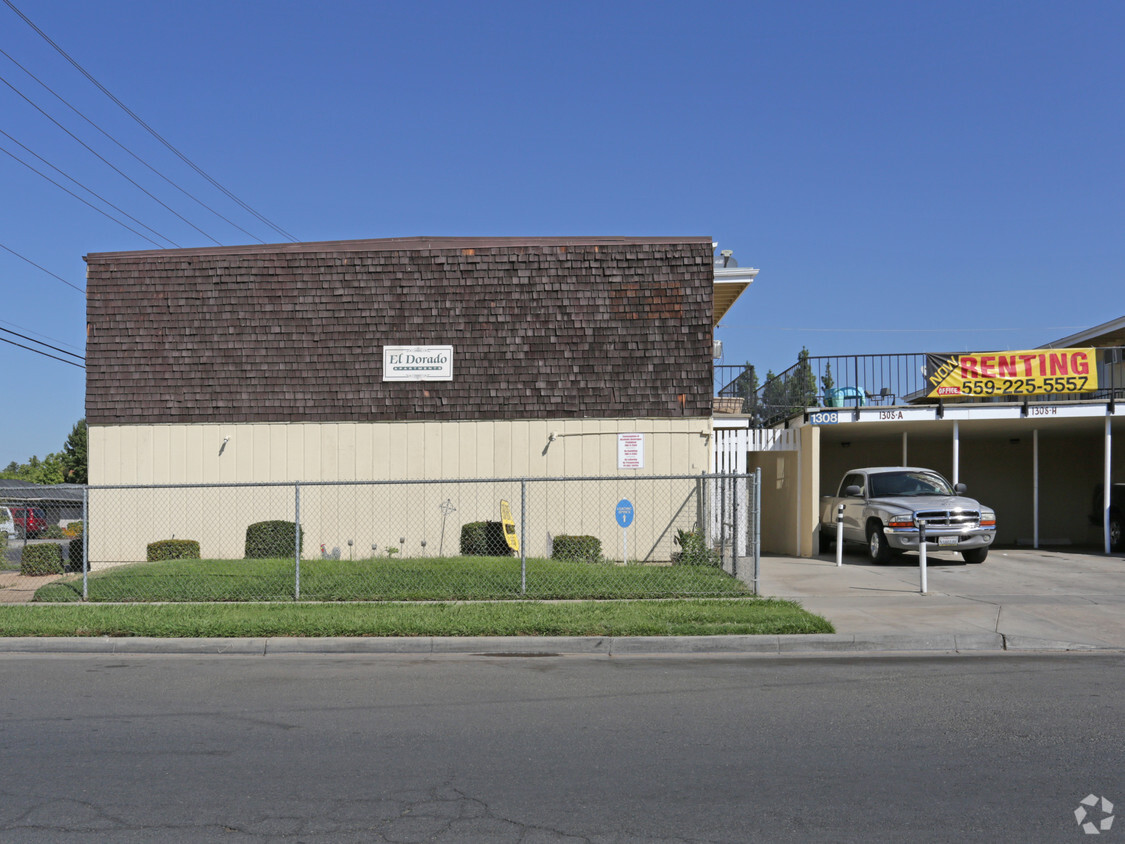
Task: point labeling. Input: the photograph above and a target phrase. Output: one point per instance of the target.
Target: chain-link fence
(538, 538)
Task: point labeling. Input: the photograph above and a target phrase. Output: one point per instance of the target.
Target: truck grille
(949, 518)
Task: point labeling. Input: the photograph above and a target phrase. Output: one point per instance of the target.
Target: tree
(745, 386)
(826, 382)
(774, 404)
(57, 467)
(74, 454)
(800, 388)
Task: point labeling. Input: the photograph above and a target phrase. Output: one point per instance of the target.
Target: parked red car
(30, 521)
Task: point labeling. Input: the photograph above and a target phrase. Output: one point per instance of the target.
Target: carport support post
(1035, 488)
(1107, 487)
(922, 552)
(956, 453)
(840, 535)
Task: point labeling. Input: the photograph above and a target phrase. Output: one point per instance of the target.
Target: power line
(108, 164)
(41, 343)
(53, 357)
(144, 125)
(88, 190)
(80, 199)
(37, 334)
(44, 269)
(182, 190)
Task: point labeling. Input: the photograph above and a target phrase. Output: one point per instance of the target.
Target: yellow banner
(509, 526)
(1023, 373)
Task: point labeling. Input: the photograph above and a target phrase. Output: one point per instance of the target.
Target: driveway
(1063, 596)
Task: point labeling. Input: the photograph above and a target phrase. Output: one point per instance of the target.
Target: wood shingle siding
(541, 328)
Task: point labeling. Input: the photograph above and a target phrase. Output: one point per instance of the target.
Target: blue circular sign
(624, 512)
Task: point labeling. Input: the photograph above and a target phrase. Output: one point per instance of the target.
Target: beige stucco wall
(122, 523)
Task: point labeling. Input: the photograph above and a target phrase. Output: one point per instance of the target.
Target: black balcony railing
(871, 380)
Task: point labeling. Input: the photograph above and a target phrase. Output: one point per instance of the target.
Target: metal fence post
(734, 529)
(523, 536)
(722, 518)
(757, 525)
(297, 541)
(85, 542)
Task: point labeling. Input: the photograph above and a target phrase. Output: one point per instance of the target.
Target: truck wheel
(877, 547)
(975, 555)
(1115, 540)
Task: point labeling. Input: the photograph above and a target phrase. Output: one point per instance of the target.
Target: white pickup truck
(884, 507)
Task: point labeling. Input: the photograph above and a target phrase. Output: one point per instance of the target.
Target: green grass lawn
(389, 579)
(686, 617)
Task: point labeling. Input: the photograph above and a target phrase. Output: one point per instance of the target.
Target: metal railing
(473, 539)
(864, 380)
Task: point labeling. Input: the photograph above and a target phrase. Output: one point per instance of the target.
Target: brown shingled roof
(541, 327)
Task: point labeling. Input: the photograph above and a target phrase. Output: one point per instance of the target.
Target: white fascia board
(1114, 325)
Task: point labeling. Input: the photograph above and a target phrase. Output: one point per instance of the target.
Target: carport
(1038, 465)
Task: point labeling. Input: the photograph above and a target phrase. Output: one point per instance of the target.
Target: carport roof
(1110, 333)
(15, 490)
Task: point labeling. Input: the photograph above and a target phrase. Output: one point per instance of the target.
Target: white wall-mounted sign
(630, 451)
(417, 363)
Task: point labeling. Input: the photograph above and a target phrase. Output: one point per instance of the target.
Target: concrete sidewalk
(1060, 598)
(1018, 600)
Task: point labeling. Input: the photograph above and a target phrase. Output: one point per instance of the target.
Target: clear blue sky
(907, 176)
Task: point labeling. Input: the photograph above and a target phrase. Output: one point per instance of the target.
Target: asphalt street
(443, 748)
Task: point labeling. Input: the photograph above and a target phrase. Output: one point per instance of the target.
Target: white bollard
(840, 535)
(922, 552)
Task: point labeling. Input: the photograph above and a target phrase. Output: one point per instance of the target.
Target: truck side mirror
(960, 489)
(853, 491)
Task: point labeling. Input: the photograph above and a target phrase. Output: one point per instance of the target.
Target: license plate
(948, 540)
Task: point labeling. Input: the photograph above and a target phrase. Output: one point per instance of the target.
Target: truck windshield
(907, 483)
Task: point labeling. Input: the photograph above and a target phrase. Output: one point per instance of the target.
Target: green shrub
(53, 532)
(694, 550)
(41, 559)
(484, 539)
(271, 539)
(577, 549)
(74, 555)
(172, 549)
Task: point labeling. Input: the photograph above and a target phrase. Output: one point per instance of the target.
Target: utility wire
(41, 343)
(80, 199)
(44, 269)
(53, 357)
(88, 190)
(144, 125)
(108, 164)
(182, 190)
(45, 336)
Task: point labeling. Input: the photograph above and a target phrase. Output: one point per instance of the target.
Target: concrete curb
(825, 643)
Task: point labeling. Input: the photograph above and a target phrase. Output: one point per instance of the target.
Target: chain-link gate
(479, 539)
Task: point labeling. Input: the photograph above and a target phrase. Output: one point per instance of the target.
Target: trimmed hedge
(172, 549)
(484, 539)
(41, 559)
(74, 555)
(577, 549)
(265, 540)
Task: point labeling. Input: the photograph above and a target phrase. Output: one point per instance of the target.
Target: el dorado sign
(417, 363)
(1035, 372)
